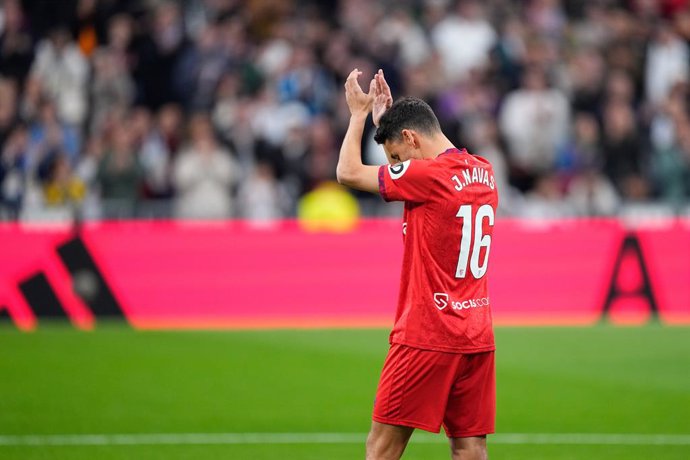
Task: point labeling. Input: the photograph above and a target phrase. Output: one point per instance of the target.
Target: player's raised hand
(383, 99)
(359, 102)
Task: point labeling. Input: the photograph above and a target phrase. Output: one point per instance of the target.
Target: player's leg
(412, 393)
(471, 409)
(470, 448)
(387, 442)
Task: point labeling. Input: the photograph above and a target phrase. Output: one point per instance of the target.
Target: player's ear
(410, 138)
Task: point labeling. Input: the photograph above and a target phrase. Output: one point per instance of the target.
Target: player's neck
(437, 145)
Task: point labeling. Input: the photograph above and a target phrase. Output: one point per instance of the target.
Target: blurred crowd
(229, 108)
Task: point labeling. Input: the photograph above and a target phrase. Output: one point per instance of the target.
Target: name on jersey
(473, 176)
(442, 300)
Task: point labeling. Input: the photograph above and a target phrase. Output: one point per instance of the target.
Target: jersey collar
(454, 150)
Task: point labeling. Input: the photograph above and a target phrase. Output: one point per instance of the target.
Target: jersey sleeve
(407, 181)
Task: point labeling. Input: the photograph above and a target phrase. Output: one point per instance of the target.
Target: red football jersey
(450, 207)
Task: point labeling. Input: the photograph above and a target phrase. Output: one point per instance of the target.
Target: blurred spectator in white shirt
(667, 64)
(62, 72)
(203, 174)
(261, 199)
(400, 29)
(545, 200)
(272, 120)
(591, 193)
(463, 39)
(534, 120)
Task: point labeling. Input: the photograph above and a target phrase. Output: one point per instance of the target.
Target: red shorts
(426, 389)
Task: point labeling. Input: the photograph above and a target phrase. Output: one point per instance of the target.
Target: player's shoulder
(451, 159)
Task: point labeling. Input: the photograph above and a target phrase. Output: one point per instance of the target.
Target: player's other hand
(383, 99)
(359, 102)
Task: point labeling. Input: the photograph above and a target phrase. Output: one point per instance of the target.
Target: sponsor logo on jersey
(397, 170)
(442, 300)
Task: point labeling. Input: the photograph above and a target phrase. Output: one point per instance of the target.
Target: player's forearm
(350, 160)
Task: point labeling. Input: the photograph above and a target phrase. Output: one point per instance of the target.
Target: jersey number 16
(480, 240)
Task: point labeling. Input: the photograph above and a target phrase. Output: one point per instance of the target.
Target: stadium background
(169, 165)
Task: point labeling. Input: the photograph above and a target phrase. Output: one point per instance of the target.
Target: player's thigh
(414, 388)
(387, 441)
(471, 407)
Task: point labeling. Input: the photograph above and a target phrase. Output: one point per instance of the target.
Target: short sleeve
(407, 181)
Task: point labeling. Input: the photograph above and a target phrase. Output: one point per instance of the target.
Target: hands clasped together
(377, 100)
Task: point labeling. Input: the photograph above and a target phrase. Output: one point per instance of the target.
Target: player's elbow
(344, 175)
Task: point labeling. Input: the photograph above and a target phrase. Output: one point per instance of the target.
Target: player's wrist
(360, 116)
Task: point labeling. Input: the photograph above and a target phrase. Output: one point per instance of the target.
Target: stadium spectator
(463, 38)
(16, 45)
(119, 174)
(535, 120)
(510, 52)
(545, 200)
(233, 117)
(8, 107)
(667, 64)
(588, 24)
(622, 150)
(547, 17)
(61, 187)
(13, 172)
(581, 151)
(158, 57)
(87, 171)
(201, 68)
(261, 199)
(49, 135)
(404, 33)
(119, 39)
(203, 174)
(586, 73)
(62, 72)
(590, 193)
(111, 87)
(671, 142)
(305, 81)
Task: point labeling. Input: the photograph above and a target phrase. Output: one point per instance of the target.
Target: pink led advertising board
(235, 275)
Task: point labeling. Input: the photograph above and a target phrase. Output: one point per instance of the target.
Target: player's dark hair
(406, 113)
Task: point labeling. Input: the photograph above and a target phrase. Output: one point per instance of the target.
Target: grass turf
(117, 380)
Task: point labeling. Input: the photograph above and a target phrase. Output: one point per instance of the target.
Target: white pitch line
(134, 439)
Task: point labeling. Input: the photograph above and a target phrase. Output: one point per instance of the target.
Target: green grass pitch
(116, 380)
